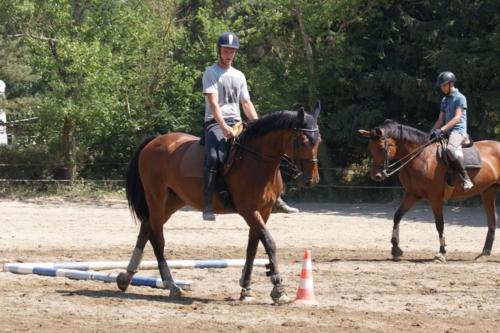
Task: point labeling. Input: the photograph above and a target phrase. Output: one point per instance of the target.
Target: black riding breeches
(216, 145)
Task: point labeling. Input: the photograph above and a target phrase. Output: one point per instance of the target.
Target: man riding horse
(224, 88)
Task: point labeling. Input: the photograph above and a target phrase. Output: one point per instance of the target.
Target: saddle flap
(192, 161)
(472, 158)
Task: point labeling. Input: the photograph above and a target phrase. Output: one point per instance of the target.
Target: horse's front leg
(257, 225)
(408, 201)
(437, 209)
(247, 294)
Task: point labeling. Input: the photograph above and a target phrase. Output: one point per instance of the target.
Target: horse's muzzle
(378, 176)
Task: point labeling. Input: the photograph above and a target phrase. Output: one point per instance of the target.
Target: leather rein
(386, 167)
(295, 164)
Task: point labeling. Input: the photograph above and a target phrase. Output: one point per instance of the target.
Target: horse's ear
(300, 117)
(364, 133)
(317, 110)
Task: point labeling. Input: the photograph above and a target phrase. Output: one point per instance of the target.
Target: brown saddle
(192, 162)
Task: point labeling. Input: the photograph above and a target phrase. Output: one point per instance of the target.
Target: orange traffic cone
(305, 292)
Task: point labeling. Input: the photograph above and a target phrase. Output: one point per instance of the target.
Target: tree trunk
(311, 72)
(69, 145)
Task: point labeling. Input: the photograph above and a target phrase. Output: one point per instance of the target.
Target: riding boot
(208, 191)
(464, 176)
(281, 207)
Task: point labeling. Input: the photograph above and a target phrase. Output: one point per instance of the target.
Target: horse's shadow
(413, 260)
(454, 214)
(132, 296)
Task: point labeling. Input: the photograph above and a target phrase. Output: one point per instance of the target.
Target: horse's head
(303, 150)
(382, 150)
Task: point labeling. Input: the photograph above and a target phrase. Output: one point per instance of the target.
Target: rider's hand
(228, 132)
(436, 134)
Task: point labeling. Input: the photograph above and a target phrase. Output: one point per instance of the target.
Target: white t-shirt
(230, 85)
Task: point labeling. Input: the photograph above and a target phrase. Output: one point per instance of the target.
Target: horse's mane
(395, 130)
(278, 120)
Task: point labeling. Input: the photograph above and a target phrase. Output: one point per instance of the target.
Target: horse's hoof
(123, 281)
(482, 256)
(283, 299)
(440, 258)
(396, 258)
(396, 252)
(279, 296)
(247, 295)
(177, 292)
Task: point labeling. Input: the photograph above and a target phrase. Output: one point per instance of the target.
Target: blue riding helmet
(445, 77)
(228, 39)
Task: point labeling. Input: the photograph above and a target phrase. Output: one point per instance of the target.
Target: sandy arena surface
(358, 287)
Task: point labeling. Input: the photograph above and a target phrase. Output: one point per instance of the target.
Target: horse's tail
(135, 191)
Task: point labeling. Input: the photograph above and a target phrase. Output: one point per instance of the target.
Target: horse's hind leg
(160, 212)
(123, 279)
(408, 201)
(437, 209)
(489, 203)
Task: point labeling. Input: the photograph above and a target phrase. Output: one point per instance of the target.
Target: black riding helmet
(445, 77)
(228, 39)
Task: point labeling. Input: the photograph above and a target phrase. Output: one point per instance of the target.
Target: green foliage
(119, 70)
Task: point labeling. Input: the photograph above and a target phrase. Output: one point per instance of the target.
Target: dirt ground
(358, 287)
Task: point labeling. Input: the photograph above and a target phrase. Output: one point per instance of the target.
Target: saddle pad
(472, 158)
(192, 162)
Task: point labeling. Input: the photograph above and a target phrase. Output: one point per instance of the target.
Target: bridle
(297, 164)
(385, 169)
(294, 164)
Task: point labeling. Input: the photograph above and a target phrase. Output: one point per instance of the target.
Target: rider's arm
(227, 131)
(453, 121)
(249, 109)
(439, 122)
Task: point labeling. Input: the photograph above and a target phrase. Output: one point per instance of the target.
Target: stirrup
(467, 184)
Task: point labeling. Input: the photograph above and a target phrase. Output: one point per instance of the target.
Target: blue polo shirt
(449, 105)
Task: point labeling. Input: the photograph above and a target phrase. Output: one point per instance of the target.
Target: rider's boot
(281, 207)
(466, 181)
(208, 191)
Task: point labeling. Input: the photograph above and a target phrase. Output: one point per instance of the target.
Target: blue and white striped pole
(105, 265)
(90, 275)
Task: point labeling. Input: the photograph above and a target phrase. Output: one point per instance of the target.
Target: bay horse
(156, 188)
(423, 177)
